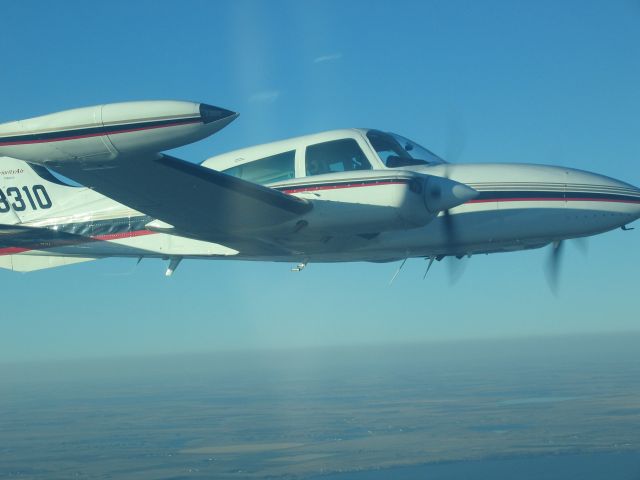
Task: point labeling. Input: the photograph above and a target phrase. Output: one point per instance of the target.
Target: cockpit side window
(335, 156)
(275, 168)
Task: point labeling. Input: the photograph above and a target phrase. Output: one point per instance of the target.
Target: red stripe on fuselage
(12, 250)
(346, 185)
(97, 134)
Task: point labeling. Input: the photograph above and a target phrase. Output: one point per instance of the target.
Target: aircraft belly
(481, 227)
(569, 218)
(494, 226)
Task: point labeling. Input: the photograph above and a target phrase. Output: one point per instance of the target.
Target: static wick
(397, 271)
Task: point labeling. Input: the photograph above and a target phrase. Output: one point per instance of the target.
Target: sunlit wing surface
(194, 200)
(114, 150)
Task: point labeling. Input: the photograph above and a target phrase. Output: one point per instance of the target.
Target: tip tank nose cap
(443, 194)
(211, 114)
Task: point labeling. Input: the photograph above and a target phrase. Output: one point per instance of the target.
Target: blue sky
(541, 82)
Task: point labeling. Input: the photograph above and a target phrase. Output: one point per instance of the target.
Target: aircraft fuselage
(518, 207)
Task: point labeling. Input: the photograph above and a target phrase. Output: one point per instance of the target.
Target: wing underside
(194, 201)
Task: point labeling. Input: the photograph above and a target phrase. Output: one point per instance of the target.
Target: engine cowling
(392, 200)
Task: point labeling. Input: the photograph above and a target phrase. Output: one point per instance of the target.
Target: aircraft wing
(113, 149)
(196, 201)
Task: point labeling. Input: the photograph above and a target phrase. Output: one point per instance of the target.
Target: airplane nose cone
(636, 204)
(597, 203)
(443, 194)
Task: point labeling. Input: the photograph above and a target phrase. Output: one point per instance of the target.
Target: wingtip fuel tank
(103, 132)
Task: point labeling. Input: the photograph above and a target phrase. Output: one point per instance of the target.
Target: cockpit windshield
(397, 151)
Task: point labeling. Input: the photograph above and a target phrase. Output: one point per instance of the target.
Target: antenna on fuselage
(300, 266)
(173, 264)
(431, 260)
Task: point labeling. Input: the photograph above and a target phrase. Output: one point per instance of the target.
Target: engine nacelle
(392, 200)
(103, 132)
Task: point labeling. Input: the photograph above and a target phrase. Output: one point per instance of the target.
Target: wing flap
(30, 263)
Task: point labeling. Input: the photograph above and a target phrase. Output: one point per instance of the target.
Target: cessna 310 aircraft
(337, 196)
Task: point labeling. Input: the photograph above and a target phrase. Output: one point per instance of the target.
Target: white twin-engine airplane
(338, 196)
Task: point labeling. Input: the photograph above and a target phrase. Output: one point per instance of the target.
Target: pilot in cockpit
(316, 166)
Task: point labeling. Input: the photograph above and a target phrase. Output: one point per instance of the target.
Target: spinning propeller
(553, 265)
(455, 142)
(554, 262)
(456, 264)
(447, 219)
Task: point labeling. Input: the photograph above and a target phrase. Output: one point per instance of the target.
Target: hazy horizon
(559, 403)
(288, 349)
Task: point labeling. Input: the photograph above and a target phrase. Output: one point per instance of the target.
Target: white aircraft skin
(375, 213)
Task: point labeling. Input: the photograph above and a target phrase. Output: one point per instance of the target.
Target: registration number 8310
(19, 199)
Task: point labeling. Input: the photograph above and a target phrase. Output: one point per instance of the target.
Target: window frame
(437, 159)
(361, 141)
